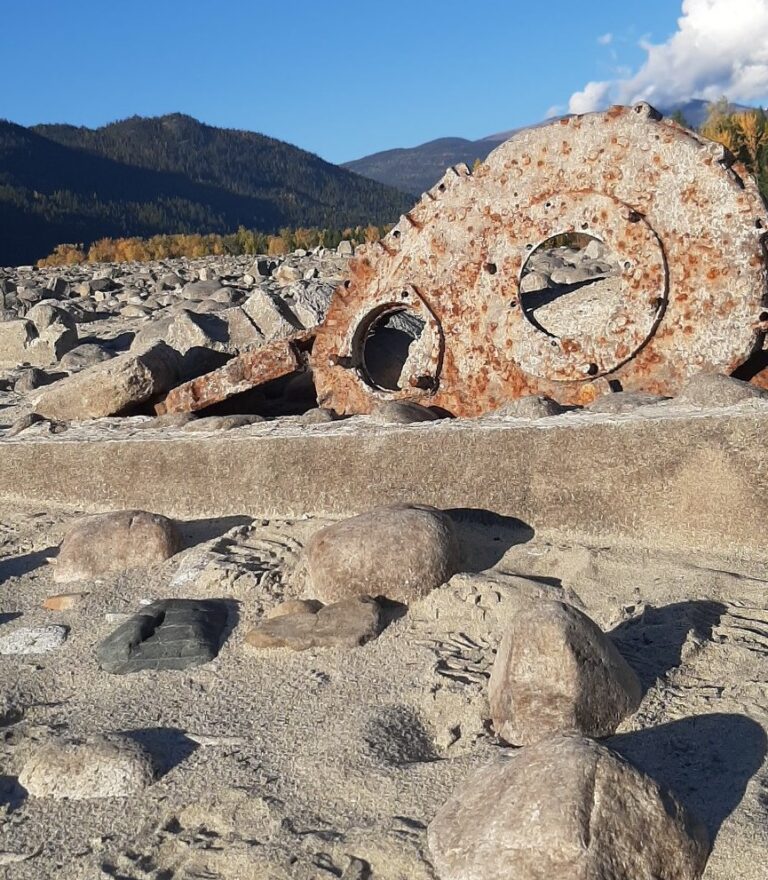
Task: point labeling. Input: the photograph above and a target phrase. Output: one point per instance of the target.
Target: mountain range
(168, 174)
(415, 169)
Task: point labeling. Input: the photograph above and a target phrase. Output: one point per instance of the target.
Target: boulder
(286, 274)
(344, 624)
(715, 389)
(270, 314)
(202, 341)
(308, 301)
(40, 339)
(170, 634)
(32, 378)
(113, 386)
(200, 290)
(401, 552)
(294, 606)
(99, 767)
(106, 543)
(85, 355)
(557, 672)
(566, 809)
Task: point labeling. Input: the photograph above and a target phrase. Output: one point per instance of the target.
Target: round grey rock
(566, 809)
(107, 543)
(85, 355)
(401, 552)
(557, 672)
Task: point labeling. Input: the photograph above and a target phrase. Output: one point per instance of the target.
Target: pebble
(64, 601)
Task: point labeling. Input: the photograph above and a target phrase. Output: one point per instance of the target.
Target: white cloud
(554, 110)
(720, 48)
(605, 39)
(593, 96)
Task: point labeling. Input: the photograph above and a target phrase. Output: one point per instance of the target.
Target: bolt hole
(490, 268)
(585, 226)
(592, 370)
(513, 304)
(441, 187)
(759, 224)
(404, 294)
(347, 284)
(553, 343)
(396, 233)
(764, 316)
(627, 265)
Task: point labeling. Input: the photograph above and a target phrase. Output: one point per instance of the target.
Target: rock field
(405, 694)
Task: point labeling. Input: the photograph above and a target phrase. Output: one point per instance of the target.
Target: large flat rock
(667, 476)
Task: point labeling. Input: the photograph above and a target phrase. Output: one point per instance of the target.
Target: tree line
(244, 241)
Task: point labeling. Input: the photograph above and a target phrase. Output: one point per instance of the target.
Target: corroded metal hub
(685, 222)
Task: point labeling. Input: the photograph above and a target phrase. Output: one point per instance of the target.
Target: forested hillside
(170, 174)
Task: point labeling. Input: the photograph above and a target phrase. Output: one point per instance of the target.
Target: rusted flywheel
(686, 225)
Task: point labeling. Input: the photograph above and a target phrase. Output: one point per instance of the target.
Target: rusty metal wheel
(686, 226)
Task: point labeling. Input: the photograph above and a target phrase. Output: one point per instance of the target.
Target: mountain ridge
(168, 174)
(414, 170)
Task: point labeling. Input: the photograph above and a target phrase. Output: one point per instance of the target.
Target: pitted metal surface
(686, 224)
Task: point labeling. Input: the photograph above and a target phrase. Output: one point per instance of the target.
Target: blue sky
(347, 79)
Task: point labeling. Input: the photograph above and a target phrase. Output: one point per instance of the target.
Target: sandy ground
(331, 763)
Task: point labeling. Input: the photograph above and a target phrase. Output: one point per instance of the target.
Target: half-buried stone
(111, 542)
(557, 672)
(169, 634)
(566, 809)
(99, 767)
(715, 389)
(402, 412)
(400, 552)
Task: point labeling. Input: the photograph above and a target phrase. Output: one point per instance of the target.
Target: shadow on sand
(17, 566)
(486, 536)
(652, 643)
(705, 760)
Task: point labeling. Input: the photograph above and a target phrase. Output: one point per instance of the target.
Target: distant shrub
(244, 241)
